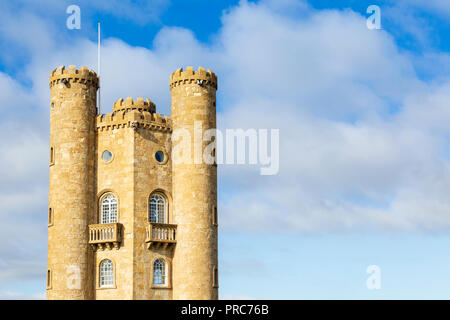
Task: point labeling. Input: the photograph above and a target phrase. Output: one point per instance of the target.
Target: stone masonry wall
(71, 190)
(194, 188)
(79, 178)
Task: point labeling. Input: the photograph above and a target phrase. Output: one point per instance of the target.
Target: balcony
(105, 235)
(160, 235)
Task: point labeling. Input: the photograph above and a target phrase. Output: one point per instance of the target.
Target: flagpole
(98, 69)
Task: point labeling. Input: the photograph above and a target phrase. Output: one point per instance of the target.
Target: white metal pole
(98, 69)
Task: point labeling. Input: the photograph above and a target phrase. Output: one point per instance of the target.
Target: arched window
(159, 272)
(106, 274)
(157, 208)
(109, 209)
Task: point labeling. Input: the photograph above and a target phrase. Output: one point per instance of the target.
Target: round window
(159, 156)
(106, 155)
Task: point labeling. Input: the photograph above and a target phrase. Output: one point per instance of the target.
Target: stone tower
(194, 187)
(72, 182)
(124, 220)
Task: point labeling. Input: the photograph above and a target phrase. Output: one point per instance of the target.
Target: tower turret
(72, 198)
(194, 186)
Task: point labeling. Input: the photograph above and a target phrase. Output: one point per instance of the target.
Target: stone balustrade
(160, 234)
(105, 235)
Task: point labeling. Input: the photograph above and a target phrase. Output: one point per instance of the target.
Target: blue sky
(363, 118)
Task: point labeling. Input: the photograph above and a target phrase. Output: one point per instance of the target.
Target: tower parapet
(72, 75)
(130, 104)
(137, 113)
(200, 76)
(134, 118)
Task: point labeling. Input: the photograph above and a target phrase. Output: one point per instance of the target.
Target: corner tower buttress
(71, 190)
(194, 189)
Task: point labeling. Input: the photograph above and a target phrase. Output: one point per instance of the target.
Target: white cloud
(13, 295)
(12, 94)
(25, 157)
(306, 77)
(235, 297)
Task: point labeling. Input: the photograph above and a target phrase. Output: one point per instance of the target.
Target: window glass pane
(109, 209)
(157, 209)
(159, 272)
(106, 273)
(106, 155)
(159, 156)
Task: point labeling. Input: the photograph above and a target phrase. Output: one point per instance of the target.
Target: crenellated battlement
(135, 119)
(72, 74)
(130, 104)
(200, 76)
